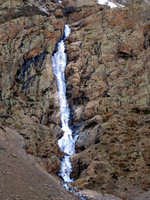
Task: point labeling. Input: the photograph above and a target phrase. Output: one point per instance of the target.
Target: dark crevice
(126, 55)
(147, 40)
(145, 111)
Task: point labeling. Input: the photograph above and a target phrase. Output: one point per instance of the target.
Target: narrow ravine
(67, 142)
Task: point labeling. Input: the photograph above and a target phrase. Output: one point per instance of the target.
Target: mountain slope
(21, 175)
(108, 91)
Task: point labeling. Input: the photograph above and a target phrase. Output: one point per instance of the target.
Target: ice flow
(67, 142)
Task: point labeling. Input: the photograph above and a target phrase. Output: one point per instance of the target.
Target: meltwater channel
(67, 142)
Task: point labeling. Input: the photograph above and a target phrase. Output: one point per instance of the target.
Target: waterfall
(67, 142)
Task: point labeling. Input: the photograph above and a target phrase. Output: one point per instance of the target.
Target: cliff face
(108, 89)
(109, 94)
(28, 37)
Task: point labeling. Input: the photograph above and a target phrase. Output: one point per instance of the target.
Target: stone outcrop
(29, 33)
(109, 93)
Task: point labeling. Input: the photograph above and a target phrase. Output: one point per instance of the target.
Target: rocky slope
(109, 94)
(22, 177)
(28, 89)
(28, 93)
(108, 90)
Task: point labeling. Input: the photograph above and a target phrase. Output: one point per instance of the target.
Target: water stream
(67, 142)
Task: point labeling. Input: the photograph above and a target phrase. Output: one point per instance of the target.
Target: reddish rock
(107, 90)
(107, 77)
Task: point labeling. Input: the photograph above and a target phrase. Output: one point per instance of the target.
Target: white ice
(67, 30)
(67, 142)
(109, 3)
(44, 9)
(66, 169)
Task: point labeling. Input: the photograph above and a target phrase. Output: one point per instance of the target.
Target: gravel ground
(21, 177)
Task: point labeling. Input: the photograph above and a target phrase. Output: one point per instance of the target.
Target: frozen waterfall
(67, 142)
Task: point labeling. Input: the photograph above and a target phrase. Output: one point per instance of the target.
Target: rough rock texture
(79, 3)
(28, 92)
(27, 81)
(108, 90)
(130, 2)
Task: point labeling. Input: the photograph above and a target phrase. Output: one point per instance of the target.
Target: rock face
(27, 44)
(28, 93)
(109, 94)
(108, 90)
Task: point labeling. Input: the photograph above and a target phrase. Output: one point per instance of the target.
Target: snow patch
(109, 3)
